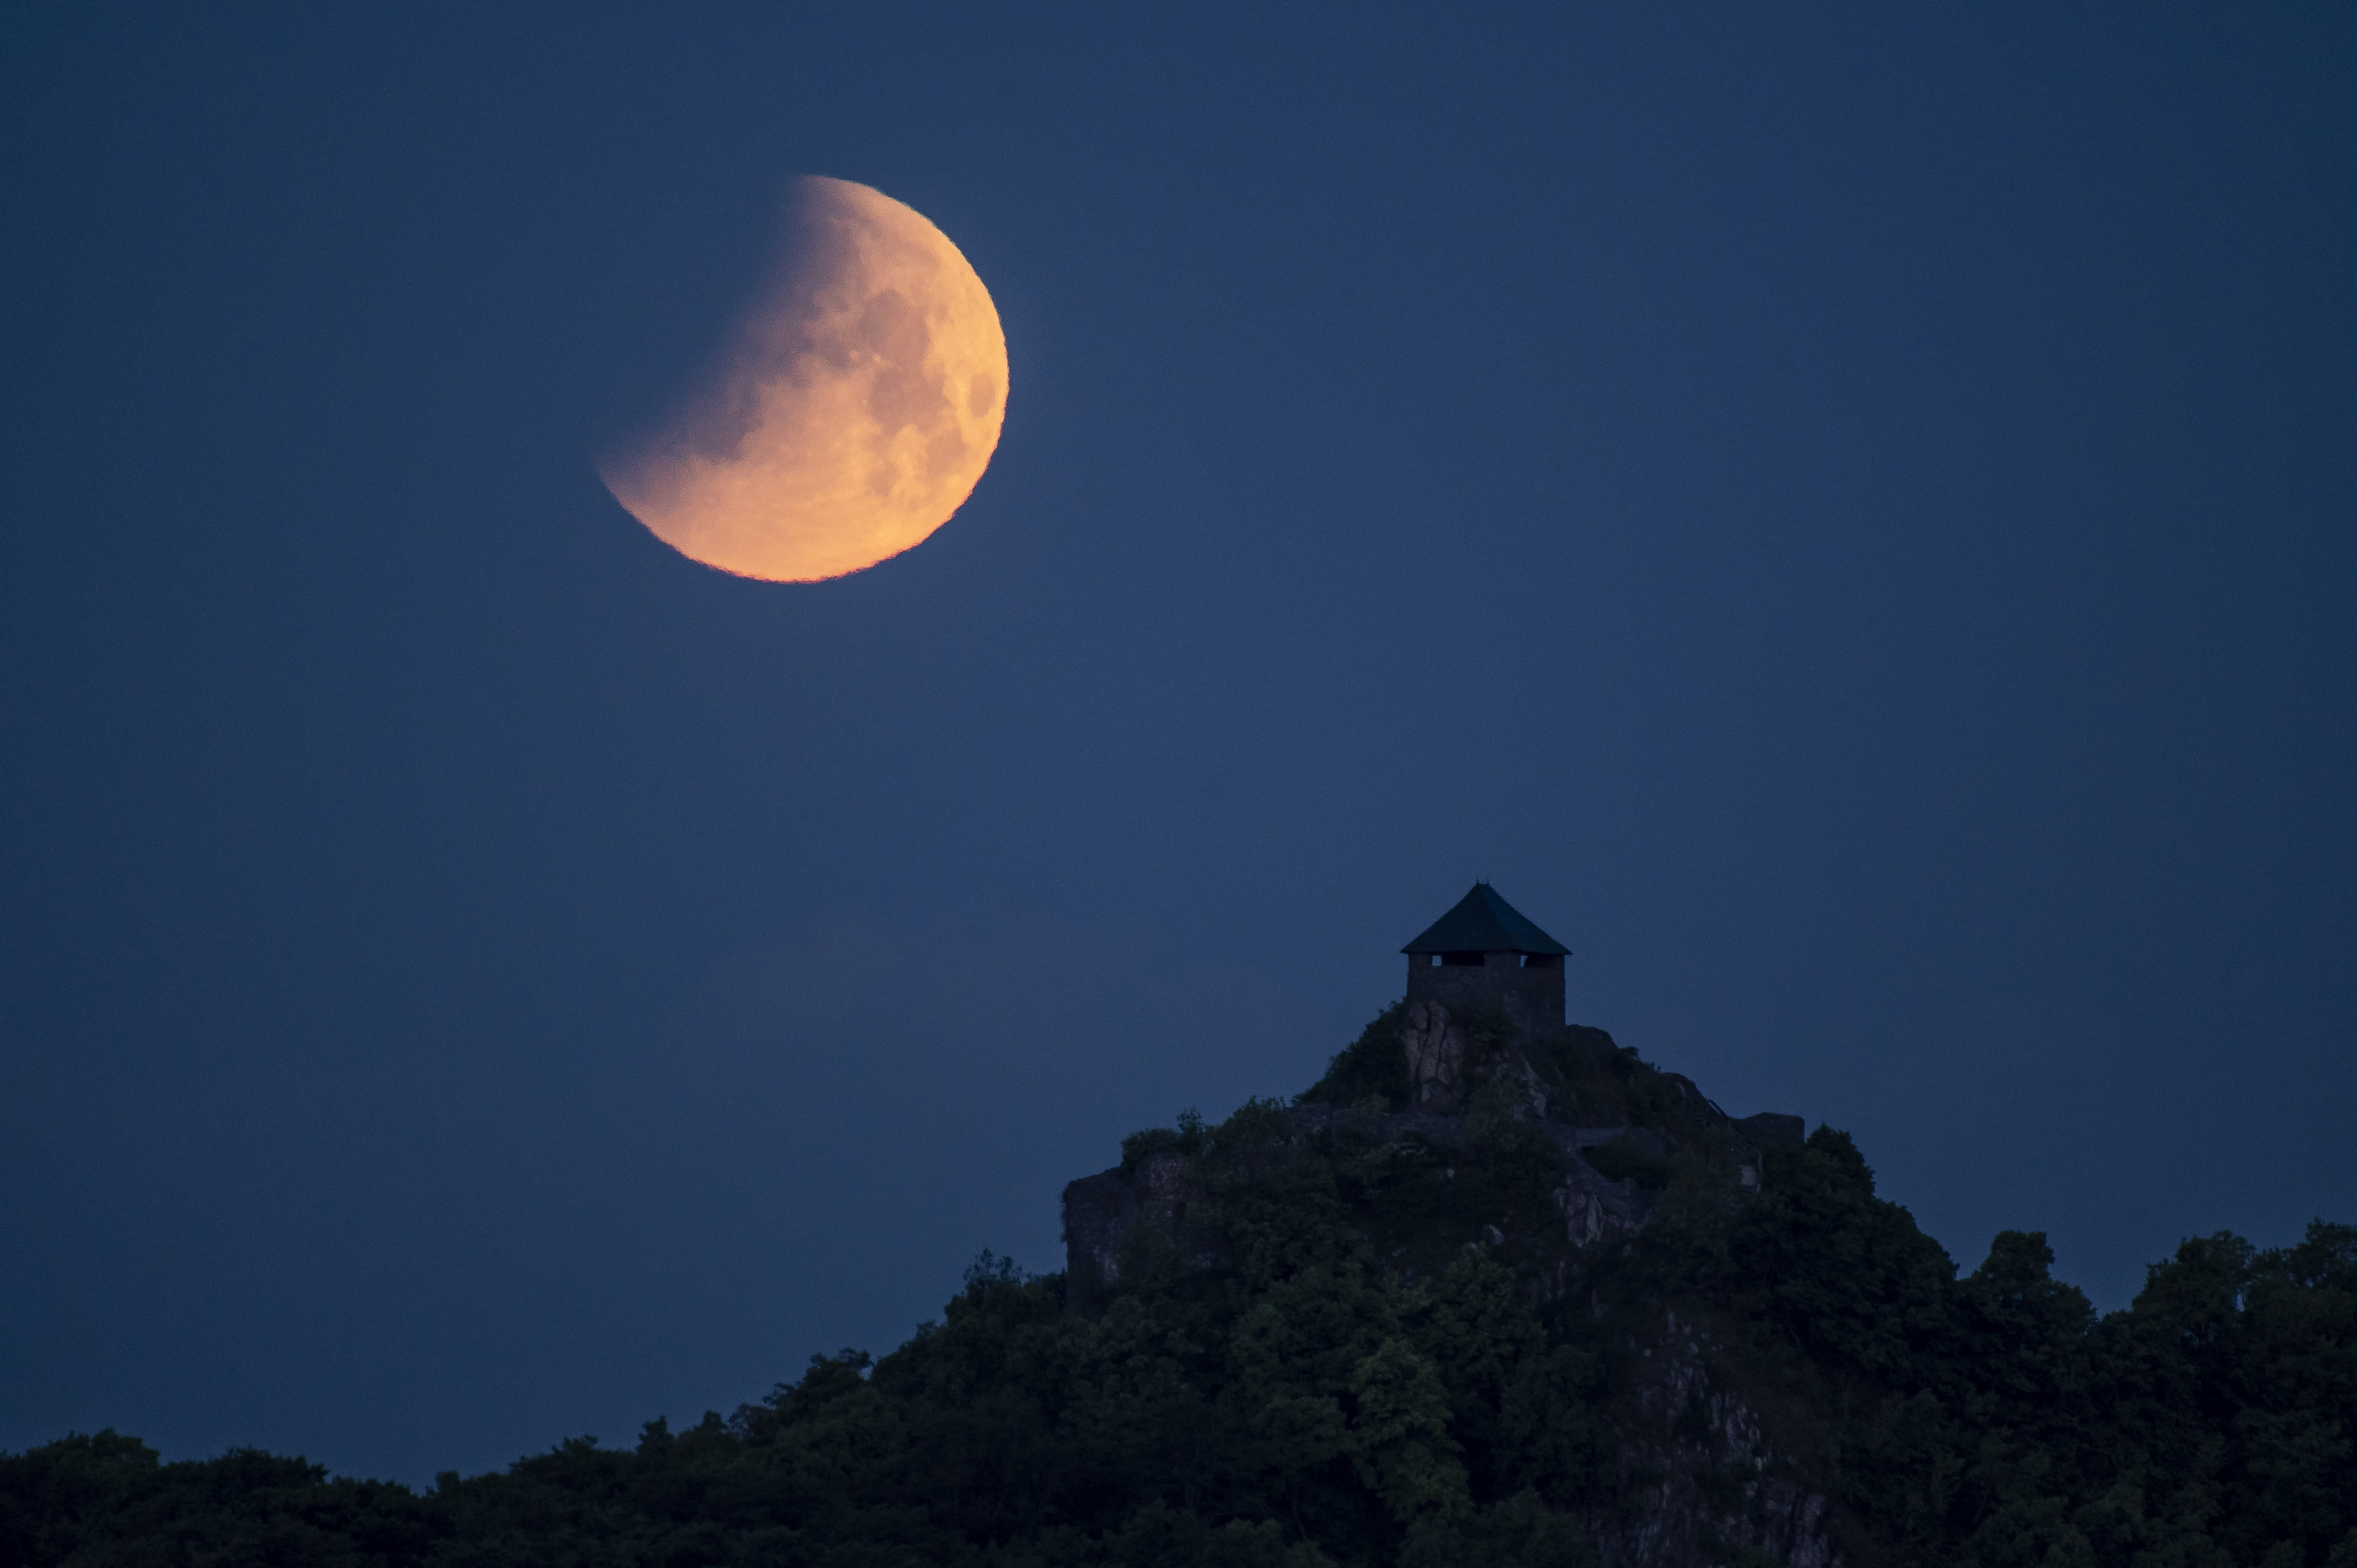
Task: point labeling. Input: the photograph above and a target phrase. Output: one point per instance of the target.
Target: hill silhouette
(1581, 1316)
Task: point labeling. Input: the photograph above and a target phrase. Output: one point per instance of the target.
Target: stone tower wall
(1533, 998)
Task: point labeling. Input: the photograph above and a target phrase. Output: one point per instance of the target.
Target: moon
(849, 413)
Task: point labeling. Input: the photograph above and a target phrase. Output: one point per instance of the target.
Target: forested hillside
(1369, 1360)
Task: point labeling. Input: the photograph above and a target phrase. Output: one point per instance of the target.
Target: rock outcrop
(1700, 1484)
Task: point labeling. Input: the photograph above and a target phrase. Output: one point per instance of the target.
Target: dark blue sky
(1845, 516)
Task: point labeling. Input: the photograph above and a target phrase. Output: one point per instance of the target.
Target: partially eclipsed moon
(851, 412)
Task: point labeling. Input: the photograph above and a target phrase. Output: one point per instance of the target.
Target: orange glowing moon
(850, 413)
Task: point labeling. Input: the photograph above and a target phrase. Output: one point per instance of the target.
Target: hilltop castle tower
(1485, 955)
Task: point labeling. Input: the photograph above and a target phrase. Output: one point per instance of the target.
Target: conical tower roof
(1483, 922)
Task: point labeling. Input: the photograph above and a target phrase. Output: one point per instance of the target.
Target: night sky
(1844, 516)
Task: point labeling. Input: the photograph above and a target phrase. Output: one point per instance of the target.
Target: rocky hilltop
(1545, 1150)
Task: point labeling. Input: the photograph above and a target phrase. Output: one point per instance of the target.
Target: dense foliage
(1995, 1420)
(1368, 1374)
